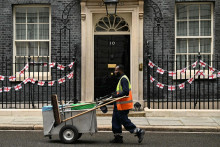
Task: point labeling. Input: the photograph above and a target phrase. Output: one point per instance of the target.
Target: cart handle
(94, 108)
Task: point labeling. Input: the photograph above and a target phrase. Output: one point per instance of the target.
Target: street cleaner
(122, 107)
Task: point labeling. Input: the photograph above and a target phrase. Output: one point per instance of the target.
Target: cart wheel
(80, 134)
(68, 134)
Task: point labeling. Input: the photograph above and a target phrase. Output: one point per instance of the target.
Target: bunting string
(26, 67)
(214, 74)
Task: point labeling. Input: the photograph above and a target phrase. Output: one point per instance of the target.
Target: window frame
(42, 75)
(188, 73)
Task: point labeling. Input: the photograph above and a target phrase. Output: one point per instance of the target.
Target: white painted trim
(196, 37)
(87, 54)
(47, 40)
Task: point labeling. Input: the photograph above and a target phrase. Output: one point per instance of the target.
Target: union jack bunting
(50, 83)
(183, 71)
(219, 74)
(152, 79)
(171, 73)
(160, 85)
(211, 69)
(171, 88)
(17, 87)
(52, 64)
(151, 64)
(32, 81)
(61, 67)
(71, 65)
(70, 75)
(12, 78)
(160, 70)
(2, 78)
(200, 73)
(26, 81)
(203, 64)
(7, 89)
(194, 64)
(41, 83)
(190, 80)
(181, 86)
(62, 80)
(26, 67)
(21, 72)
(212, 76)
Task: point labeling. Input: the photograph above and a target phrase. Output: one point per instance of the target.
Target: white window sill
(37, 76)
(189, 74)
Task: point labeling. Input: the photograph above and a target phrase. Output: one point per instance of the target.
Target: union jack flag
(183, 71)
(32, 80)
(12, 78)
(194, 64)
(61, 67)
(41, 83)
(212, 76)
(211, 69)
(191, 80)
(151, 64)
(171, 88)
(2, 78)
(26, 67)
(70, 76)
(26, 81)
(152, 79)
(171, 73)
(50, 83)
(200, 73)
(71, 65)
(160, 85)
(0, 90)
(52, 64)
(62, 80)
(160, 70)
(17, 87)
(181, 86)
(203, 64)
(7, 89)
(219, 74)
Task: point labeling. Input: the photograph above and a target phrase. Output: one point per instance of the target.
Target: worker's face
(117, 72)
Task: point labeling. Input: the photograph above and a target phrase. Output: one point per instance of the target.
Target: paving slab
(216, 119)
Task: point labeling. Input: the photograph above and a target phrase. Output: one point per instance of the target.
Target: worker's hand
(114, 95)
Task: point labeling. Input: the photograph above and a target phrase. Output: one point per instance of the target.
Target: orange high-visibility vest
(124, 103)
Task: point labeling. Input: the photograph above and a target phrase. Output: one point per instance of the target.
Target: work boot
(140, 134)
(117, 139)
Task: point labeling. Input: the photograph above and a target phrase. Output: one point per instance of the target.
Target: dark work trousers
(120, 118)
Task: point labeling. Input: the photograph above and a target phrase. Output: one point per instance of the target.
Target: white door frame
(88, 10)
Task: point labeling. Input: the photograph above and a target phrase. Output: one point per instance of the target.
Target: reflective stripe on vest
(125, 103)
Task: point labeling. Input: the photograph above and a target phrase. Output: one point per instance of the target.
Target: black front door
(110, 50)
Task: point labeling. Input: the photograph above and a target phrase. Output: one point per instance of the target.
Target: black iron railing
(32, 95)
(202, 93)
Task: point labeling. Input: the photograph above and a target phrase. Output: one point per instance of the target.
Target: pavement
(154, 120)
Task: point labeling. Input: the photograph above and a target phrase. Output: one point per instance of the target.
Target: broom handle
(94, 108)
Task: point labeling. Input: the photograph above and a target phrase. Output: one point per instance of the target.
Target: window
(32, 36)
(194, 32)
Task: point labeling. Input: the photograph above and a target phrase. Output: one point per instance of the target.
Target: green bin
(82, 106)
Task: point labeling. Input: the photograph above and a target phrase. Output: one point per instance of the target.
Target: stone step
(131, 113)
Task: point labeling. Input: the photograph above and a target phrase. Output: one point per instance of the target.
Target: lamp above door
(111, 6)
